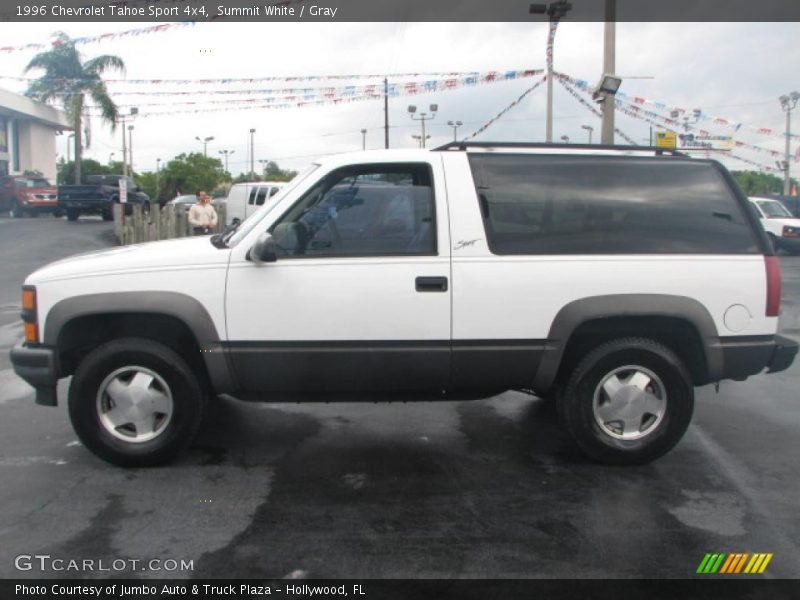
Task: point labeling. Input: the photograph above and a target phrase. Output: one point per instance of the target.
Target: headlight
(789, 231)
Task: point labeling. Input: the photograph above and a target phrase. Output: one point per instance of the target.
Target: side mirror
(264, 250)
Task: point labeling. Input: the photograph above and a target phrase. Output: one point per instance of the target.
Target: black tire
(16, 212)
(671, 389)
(170, 437)
(72, 214)
(58, 213)
(108, 215)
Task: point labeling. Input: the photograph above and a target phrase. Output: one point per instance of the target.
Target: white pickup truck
(612, 280)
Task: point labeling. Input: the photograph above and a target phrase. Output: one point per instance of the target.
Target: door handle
(431, 284)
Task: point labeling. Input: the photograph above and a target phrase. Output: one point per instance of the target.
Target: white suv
(611, 279)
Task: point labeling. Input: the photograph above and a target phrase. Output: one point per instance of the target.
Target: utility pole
(556, 11)
(788, 104)
(386, 112)
(71, 136)
(609, 60)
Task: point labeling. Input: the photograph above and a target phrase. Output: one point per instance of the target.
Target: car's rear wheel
(16, 212)
(72, 214)
(629, 401)
(135, 402)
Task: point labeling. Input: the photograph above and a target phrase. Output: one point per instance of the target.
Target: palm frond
(108, 109)
(100, 64)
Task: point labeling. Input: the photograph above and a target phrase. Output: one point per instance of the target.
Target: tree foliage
(755, 183)
(271, 172)
(188, 173)
(68, 81)
(66, 170)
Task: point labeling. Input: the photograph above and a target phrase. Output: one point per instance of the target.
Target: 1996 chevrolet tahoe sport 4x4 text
(613, 279)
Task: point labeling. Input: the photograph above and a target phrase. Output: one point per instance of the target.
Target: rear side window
(261, 196)
(533, 204)
(252, 198)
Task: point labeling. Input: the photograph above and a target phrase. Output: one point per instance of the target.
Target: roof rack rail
(463, 146)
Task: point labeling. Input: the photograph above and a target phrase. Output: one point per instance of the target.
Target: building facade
(28, 132)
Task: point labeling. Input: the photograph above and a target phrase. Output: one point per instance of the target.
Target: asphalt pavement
(489, 488)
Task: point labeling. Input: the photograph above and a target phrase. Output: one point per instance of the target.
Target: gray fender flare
(181, 306)
(572, 315)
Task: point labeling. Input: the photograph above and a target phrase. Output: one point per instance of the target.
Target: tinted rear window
(533, 204)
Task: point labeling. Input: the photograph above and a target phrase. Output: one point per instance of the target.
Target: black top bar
(462, 146)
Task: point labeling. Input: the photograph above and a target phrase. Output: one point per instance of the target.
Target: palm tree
(68, 80)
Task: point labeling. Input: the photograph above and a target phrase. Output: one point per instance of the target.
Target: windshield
(773, 209)
(235, 235)
(32, 183)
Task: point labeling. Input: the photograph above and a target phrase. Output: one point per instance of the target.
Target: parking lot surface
(489, 488)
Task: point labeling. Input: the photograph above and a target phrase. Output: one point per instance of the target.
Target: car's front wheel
(16, 212)
(135, 402)
(629, 401)
(72, 214)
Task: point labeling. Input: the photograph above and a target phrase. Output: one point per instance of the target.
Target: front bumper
(37, 365)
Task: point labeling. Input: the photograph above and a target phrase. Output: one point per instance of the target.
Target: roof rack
(463, 146)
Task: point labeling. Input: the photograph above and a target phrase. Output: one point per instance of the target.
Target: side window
(261, 195)
(273, 190)
(535, 204)
(252, 198)
(370, 210)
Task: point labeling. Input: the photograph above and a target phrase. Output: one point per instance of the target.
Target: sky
(732, 70)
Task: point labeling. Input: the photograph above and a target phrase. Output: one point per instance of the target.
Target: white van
(244, 198)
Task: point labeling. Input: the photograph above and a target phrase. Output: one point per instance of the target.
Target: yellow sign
(666, 139)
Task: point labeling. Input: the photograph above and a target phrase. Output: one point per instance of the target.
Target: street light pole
(252, 154)
(363, 139)
(204, 141)
(609, 60)
(422, 118)
(130, 143)
(133, 113)
(788, 104)
(226, 153)
(111, 158)
(264, 162)
(455, 125)
(158, 172)
(590, 129)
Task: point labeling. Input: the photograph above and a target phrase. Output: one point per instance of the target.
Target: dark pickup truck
(98, 196)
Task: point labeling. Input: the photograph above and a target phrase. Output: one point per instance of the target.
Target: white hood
(180, 253)
(780, 222)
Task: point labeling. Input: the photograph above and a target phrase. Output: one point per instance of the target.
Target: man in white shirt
(202, 216)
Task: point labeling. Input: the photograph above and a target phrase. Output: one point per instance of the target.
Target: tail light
(773, 286)
(29, 316)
